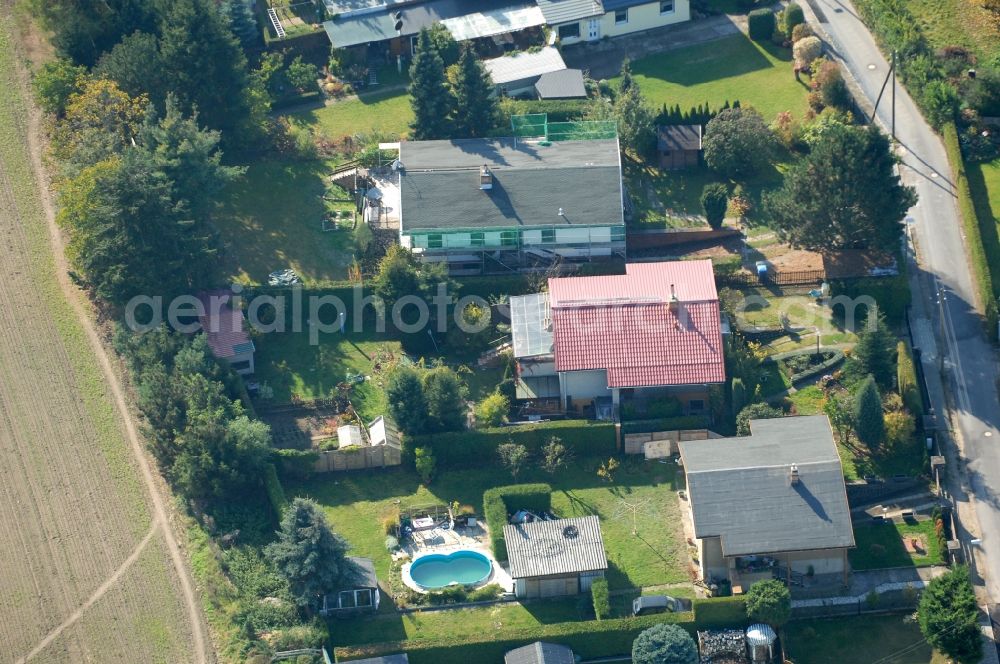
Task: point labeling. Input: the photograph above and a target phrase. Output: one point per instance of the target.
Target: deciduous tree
(492, 410)
(843, 194)
(555, 455)
(309, 554)
(513, 456)
(769, 602)
(445, 396)
(302, 75)
(755, 411)
(738, 143)
(55, 82)
(84, 29)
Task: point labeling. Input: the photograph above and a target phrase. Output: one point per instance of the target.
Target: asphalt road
(969, 370)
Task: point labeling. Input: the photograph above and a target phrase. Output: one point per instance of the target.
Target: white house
(589, 20)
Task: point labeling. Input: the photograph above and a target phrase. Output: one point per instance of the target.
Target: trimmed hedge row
(469, 449)
(666, 424)
(761, 24)
(906, 379)
(275, 492)
(891, 293)
(589, 639)
(499, 501)
(558, 110)
(838, 356)
(972, 224)
(295, 463)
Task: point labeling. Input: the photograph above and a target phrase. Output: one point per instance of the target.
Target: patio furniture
(423, 523)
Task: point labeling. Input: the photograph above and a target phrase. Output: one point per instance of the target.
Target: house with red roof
(225, 329)
(654, 331)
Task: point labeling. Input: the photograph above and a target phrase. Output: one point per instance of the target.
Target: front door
(594, 29)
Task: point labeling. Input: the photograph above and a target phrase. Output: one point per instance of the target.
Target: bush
(906, 379)
(869, 420)
(492, 410)
(719, 612)
(761, 24)
(806, 50)
(891, 294)
(769, 602)
(557, 110)
(296, 463)
(468, 449)
(425, 464)
(802, 371)
(498, 502)
(714, 201)
(800, 32)
(664, 644)
(791, 18)
(275, 492)
(755, 411)
(679, 423)
(602, 601)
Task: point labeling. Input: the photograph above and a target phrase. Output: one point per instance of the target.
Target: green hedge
(470, 449)
(295, 463)
(602, 601)
(499, 501)
(761, 24)
(891, 293)
(275, 492)
(814, 370)
(562, 110)
(720, 612)
(791, 17)
(972, 225)
(906, 379)
(666, 424)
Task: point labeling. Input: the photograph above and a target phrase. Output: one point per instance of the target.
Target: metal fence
(896, 599)
(744, 279)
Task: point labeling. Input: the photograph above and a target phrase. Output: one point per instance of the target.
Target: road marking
(871, 66)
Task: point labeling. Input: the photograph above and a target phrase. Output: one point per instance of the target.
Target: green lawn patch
(905, 459)
(958, 23)
(808, 401)
(357, 502)
(884, 545)
(386, 112)
(984, 185)
(732, 68)
(272, 219)
(891, 639)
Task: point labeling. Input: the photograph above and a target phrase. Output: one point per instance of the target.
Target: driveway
(968, 368)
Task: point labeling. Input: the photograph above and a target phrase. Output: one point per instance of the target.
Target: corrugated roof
(439, 184)
(678, 137)
(626, 325)
(540, 652)
(224, 327)
(488, 23)
(524, 65)
(563, 546)
(531, 325)
(565, 84)
(563, 11)
(741, 489)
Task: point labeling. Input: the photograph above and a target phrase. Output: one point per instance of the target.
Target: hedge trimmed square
(761, 24)
(499, 501)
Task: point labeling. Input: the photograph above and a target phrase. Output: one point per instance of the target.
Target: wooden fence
(358, 458)
(665, 442)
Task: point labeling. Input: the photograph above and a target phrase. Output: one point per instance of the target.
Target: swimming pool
(463, 567)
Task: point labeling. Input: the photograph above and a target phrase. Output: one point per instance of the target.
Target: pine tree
(948, 616)
(739, 396)
(875, 352)
(869, 421)
(242, 22)
(476, 108)
(405, 393)
(430, 97)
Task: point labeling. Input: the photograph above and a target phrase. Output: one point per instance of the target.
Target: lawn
(732, 68)
(882, 546)
(859, 462)
(272, 219)
(887, 639)
(984, 184)
(386, 112)
(958, 23)
(808, 401)
(293, 367)
(356, 503)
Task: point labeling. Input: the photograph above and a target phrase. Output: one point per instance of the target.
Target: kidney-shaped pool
(463, 567)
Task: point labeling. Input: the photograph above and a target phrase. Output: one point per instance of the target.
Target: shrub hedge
(906, 380)
(295, 463)
(791, 17)
(891, 293)
(814, 370)
(468, 449)
(718, 612)
(666, 424)
(761, 24)
(275, 492)
(602, 601)
(972, 224)
(558, 110)
(499, 501)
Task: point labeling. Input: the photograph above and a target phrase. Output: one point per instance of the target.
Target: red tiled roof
(626, 325)
(223, 326)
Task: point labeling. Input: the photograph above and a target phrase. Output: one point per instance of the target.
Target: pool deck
(444, 541)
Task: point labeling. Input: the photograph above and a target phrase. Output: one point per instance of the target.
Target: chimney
(674, 300)
(485, 178)
(793, 474)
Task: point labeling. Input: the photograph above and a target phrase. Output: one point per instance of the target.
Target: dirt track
(90, 568)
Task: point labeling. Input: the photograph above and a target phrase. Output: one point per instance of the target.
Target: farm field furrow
(72, 507)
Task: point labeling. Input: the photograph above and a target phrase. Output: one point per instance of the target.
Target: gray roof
(540, 652)
(565, 84)
(364, 574)
(439, 184)
(741, 490)
(678, 137)
(400, 658)
(531, 325)
(562, 11)
(379, 25)
(563, 546)
(524, 65)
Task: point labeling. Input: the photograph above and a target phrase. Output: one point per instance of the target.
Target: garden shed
(678, 146)
(540, 652)
(359, 594)
(555, 558)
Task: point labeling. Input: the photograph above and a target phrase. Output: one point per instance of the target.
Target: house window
(696, 405)
(508, 238)
(477, 239)
(621, 15)
(435, 241)
(617, 233)
(548, 236)
(667, 6)
(413, 43)
(569, 31)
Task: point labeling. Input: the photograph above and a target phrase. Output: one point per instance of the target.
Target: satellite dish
(398, 16)
(396, 165)
(570, 532)
(399, 26)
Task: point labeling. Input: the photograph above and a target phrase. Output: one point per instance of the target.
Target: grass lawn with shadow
(984, 185)
(272, 219)
(356, 503)
(759, 75)
(387, 112)
(888, 639)
(881, 546)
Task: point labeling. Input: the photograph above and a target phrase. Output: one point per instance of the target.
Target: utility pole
(893, 70)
